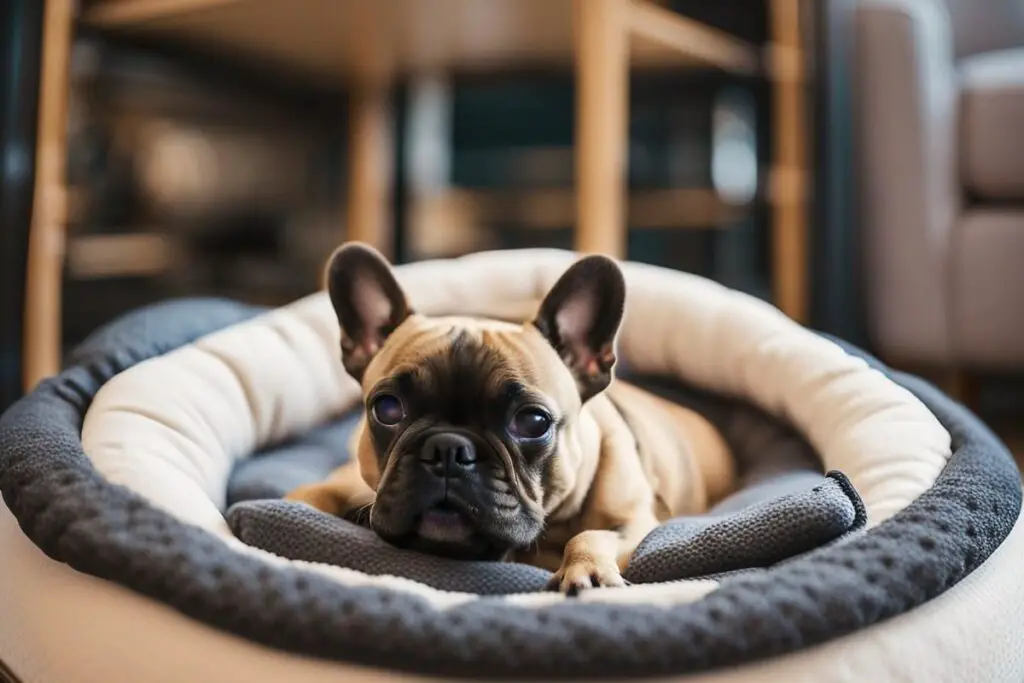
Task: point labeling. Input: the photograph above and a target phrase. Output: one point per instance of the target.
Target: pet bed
(136, 542)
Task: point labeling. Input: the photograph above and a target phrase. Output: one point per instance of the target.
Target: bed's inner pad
(759, 535)
(784, 506)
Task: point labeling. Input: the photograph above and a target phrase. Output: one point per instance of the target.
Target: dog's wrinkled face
(469, 438)
(462, 430)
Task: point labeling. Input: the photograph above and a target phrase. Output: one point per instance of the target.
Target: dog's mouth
(446, 530)
(445, 523)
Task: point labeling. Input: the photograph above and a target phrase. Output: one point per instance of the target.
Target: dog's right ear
(368, 301)
(580, 317)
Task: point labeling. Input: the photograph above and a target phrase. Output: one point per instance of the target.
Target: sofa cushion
(986, 282)
(992, 108)
(985, 25)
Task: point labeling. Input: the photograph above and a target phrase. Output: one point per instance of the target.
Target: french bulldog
(487, 439)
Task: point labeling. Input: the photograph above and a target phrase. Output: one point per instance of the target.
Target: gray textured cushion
(285, 467)
(300, 532)
(757, 536)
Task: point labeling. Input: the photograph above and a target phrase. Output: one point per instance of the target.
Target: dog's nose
(445, 451)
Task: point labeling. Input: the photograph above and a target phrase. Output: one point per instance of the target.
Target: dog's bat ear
(580, 317)
(368, 301)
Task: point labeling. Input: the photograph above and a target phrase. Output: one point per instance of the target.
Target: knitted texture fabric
(757, 536)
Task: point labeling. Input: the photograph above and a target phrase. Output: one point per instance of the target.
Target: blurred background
(849, 160)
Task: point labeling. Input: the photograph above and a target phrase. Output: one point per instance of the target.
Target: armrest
(906, 109)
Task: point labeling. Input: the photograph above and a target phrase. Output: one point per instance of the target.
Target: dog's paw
(575, 577)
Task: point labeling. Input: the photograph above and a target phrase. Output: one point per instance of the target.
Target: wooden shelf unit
(369, 43)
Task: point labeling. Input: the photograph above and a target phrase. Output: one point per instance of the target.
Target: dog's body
(491, 439)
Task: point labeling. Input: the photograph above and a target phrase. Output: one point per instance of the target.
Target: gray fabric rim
(75, 516)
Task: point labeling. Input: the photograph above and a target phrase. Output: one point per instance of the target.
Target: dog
(490, 440)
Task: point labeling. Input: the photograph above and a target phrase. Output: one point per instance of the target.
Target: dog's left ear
(368, 301)
(580, 317)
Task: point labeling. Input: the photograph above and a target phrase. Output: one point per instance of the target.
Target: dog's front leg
(596, 558)
(342, 492)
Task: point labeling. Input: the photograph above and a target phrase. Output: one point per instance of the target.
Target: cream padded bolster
(171, 428)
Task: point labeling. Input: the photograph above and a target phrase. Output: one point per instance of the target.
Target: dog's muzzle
(448, 457)
(443, 497)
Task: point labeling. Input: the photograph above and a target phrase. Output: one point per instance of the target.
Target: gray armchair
(939, 111)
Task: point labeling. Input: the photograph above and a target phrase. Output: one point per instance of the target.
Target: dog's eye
(388, 410)
(530, 423)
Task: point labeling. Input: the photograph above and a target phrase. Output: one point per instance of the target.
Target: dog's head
(473, 434)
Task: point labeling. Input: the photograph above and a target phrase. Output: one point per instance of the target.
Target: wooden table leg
(43, 329)
(371, 148)
(602, 120)
(789, 176)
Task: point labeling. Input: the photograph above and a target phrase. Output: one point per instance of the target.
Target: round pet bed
(119, 559)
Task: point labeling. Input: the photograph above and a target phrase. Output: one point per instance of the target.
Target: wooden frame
(369, 168)
(602, 124)
(608, 35)
(42, 345)
(788, 179)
